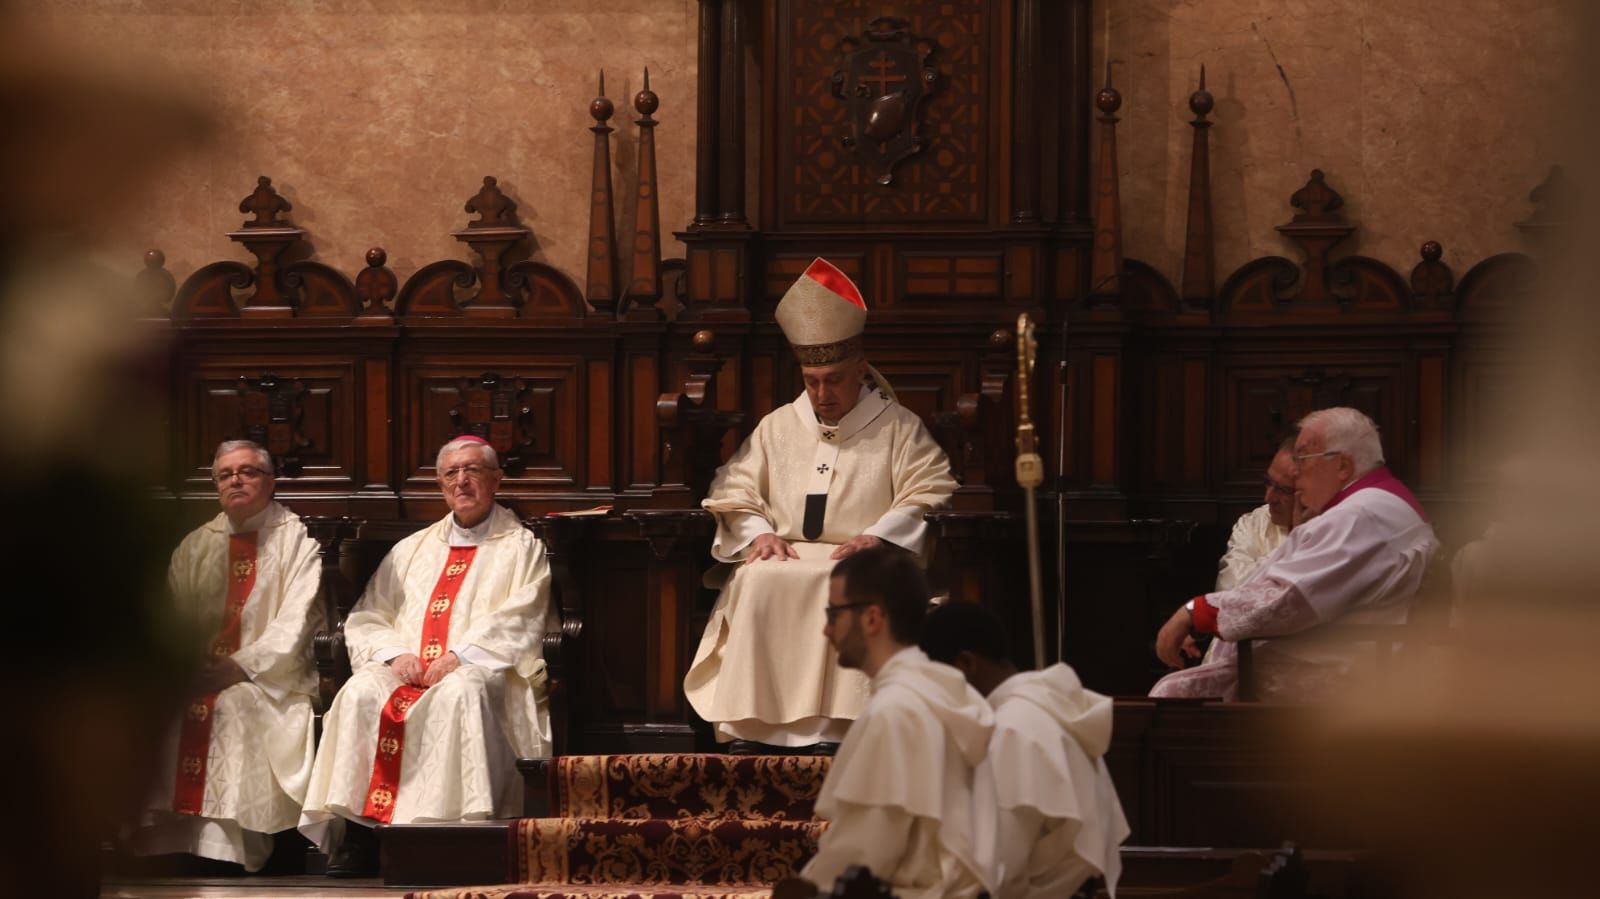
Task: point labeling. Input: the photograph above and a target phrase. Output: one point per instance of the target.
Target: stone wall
(1430, 117)
(378, 118)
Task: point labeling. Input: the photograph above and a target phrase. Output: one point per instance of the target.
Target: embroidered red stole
(384, 787)
(194, 738)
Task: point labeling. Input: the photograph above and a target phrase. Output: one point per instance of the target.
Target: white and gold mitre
(823, 315)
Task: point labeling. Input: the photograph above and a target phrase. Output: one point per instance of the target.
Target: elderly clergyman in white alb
(241, 754)
(449, 674)
(842, 468)
(1360, 559)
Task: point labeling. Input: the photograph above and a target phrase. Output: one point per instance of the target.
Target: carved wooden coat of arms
(884, 77)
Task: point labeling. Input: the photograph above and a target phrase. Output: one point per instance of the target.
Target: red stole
(384, 787)
(194, 739)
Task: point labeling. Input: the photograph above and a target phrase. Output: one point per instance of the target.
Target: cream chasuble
(259, 758)
(899, 796)
(1361, 561)
(763, 670)
(463, 735)
(1048, 814)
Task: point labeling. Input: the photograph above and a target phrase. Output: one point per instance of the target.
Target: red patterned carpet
(665, 827)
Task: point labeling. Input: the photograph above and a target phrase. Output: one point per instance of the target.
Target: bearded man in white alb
(241, 755)
(899, 796)
(446, 695)
(842, 468)
(1360, 559)
(1048, 817)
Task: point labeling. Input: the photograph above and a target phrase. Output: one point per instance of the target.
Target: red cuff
(1203, 620)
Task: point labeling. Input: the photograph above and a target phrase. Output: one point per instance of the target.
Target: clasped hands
(410, 669)
(771, 546)
(218, 675)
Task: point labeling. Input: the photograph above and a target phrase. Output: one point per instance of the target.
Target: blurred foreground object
(92, 661)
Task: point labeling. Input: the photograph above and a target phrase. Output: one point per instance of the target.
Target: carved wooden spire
(266, 236)
(1199, 257)
(644, 287)
(601, 289)
(1105, 262)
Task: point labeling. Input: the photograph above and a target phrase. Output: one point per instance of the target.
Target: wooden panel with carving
(538, 403)
(1263, 398)
(312, 409)
(820, 179)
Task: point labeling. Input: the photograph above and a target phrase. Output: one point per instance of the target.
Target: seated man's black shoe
(357, 855)
(825, 748)
(745, 747)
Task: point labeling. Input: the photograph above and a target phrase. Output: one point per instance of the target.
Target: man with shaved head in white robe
(1047, 814)
(842, 468)
(240, 758)
(447, 690)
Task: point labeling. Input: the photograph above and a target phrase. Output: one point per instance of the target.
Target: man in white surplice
(1360, 558)
(899, 796)
(842, 468)
(449, 674)
(1048, 817)
(240, 756)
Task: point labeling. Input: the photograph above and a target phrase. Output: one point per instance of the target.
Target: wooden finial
(1201, 101)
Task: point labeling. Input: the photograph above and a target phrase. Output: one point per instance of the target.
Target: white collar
(869, 405)
(253, 523)
(460, 536)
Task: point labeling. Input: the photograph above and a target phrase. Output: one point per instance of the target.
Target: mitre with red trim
(822, 314)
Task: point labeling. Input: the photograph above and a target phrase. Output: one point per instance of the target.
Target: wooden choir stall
(958, 159)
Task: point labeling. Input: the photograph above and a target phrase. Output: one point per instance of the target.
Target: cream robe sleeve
(514, 628)
(370, 630)
(276, 660)
(872, 835)
(1245, 550)
(920, 473)
(738, 498)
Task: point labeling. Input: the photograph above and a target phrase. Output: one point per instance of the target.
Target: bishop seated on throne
(843, 468)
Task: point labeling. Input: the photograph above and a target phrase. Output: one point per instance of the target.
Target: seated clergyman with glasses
(238, 759)
(447, 689)
(1359, 558)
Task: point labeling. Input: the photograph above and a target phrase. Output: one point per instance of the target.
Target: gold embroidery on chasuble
(194, 735)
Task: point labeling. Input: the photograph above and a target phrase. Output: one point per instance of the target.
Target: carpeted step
(659, 852)
(719, 787)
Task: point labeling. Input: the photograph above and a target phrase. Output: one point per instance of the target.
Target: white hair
(490, 458)
(1348, 431)
(263, 458)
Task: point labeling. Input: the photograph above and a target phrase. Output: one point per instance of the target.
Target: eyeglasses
(1280, 489)
(475, 472)
(244, 472)
(1320, 455)
(832, 611)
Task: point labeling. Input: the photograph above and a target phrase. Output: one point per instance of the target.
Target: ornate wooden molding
(498, 410)
(376, 286)
(305, 289)
(691, 427)
(271, 414)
